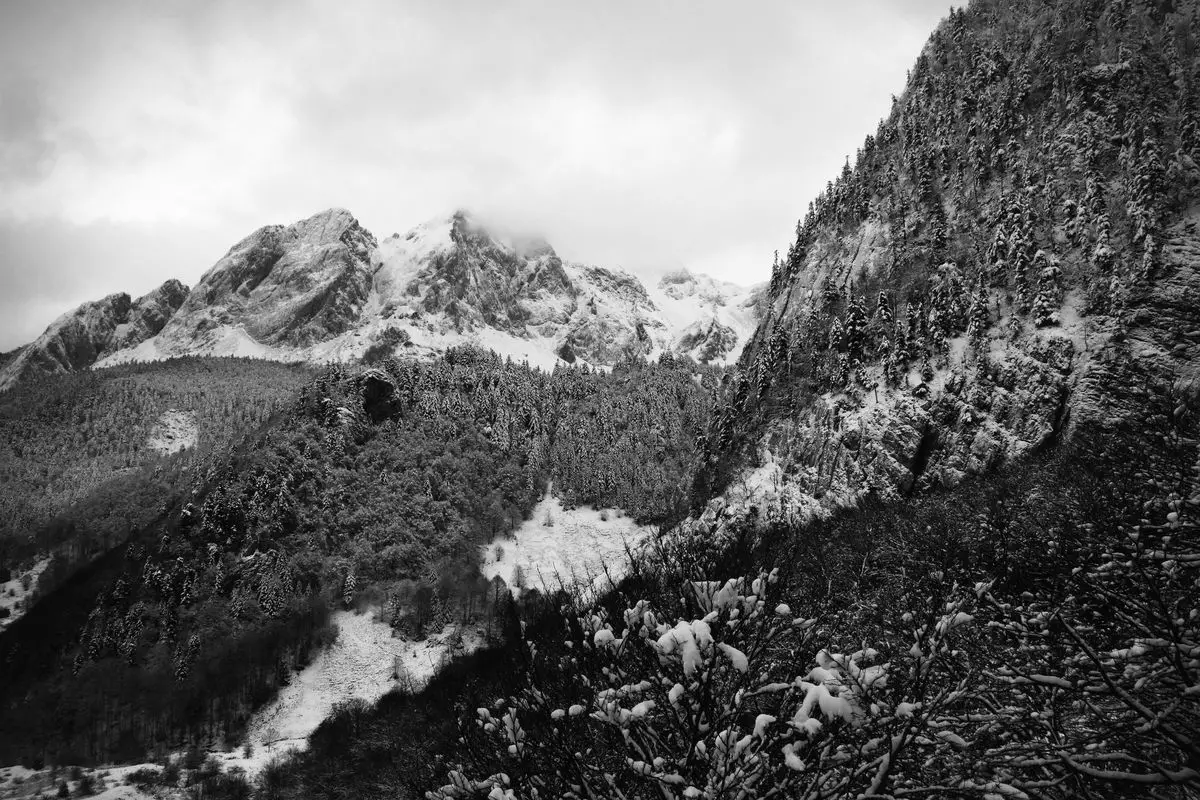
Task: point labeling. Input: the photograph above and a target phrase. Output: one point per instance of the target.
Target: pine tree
(1049, 293)
(883, 310)
(1149, 257)
(855, 329)
(1020, 254)
(1144, 186)
(1073, 222)
(841, 374)
(997, 257)
(836, 335)
(980, 320)
(777, 276)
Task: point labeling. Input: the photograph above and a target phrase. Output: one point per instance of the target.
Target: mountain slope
(74, 445)
(1020, 229)
(79, 338)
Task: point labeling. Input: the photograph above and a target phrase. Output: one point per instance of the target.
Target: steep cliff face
(286, 286)
(450, 279)
(479, 281)
(79, 338)
(1008, 263)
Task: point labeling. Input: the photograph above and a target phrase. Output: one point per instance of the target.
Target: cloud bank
(141, 138)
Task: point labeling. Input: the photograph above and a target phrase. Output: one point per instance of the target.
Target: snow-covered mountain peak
(324, 288)
(682, 283)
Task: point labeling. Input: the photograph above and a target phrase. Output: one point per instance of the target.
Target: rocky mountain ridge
(96, 329)
(325, 289)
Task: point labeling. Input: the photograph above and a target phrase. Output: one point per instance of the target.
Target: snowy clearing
(359, 665)
(109, 783)
(577, 546)
(175, 431)
(13, 593)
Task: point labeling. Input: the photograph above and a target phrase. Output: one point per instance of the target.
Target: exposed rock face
(79, 338)
(1157, 356)
(1083, 385)
(149, 315)
(707, 340)
(478, 281)
(711, 320)
(614, 318)
(288, 286)
(378, 394)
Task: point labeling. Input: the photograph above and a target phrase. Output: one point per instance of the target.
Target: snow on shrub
(710, 706)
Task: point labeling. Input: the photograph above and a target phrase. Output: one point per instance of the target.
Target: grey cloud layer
(646, 135)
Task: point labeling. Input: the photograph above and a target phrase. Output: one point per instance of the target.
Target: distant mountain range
(325, 289)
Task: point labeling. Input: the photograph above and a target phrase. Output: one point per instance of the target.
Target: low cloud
(643, 135)
(26, 149)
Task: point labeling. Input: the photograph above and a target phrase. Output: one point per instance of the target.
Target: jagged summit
(283, 286)
(325, 289)
(95, 329)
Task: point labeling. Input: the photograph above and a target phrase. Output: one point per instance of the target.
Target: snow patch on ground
(234, 341)
(1086, 333)
(17, 783)
(14, 595)
(360, 665)
(175, 431)
(580, 547)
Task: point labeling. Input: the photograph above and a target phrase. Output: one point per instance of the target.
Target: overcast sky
(139, 140)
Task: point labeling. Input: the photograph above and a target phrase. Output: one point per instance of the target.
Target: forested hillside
(85, 457)
(374, 485)
(1025, 204)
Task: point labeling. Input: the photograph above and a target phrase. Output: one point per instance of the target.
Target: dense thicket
(375, 485)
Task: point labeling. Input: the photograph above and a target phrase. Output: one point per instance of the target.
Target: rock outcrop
(81, 337)
(288, 286)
